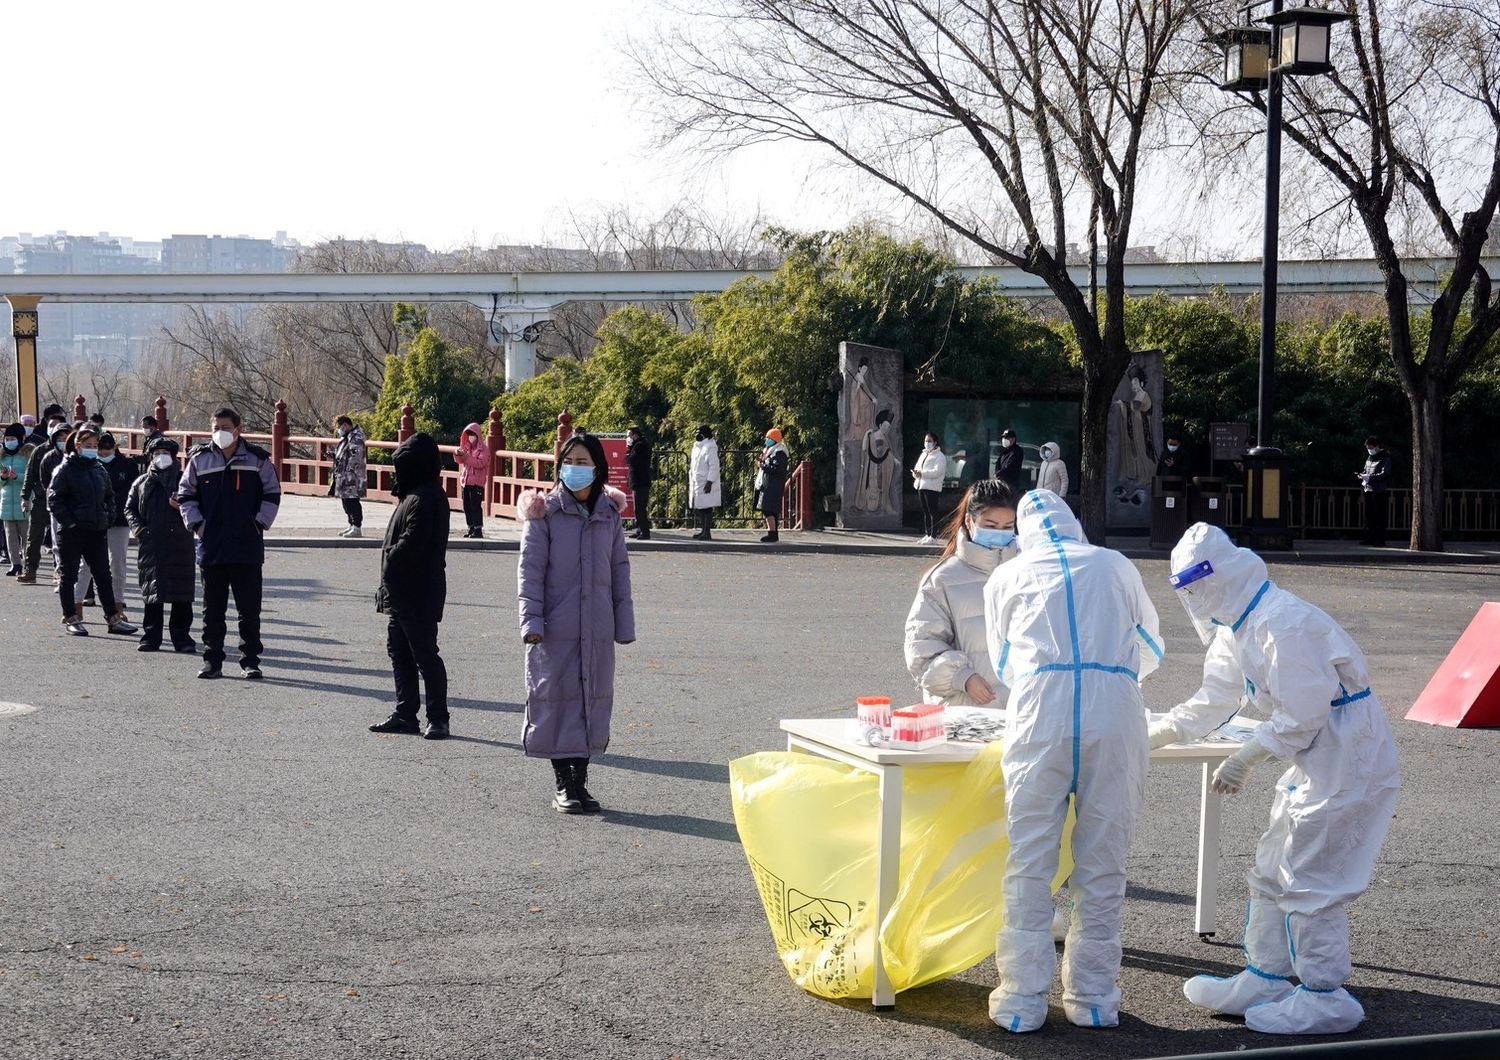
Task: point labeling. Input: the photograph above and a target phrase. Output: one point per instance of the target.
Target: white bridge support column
(517, 327)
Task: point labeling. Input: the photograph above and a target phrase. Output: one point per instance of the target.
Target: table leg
(888, 860)
(1210, 811)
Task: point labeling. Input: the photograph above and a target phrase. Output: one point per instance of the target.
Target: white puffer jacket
(945, 635)
(928, 472)
(1053, 474)
(703, 471)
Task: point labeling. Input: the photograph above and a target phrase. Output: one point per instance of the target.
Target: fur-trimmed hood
(532, 504)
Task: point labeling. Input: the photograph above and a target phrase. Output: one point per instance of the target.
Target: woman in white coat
(705, 492)
(927, 476)
(947, 650)
(1053, 474)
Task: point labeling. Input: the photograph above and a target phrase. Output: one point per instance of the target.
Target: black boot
(565, 798)
(581, 776)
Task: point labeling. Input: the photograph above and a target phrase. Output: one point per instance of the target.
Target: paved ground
(239, 870)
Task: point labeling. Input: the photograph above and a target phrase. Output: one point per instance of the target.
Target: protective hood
(1043, 519)
(416, 462)
(1217, 582)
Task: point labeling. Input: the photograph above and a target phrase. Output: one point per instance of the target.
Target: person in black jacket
(1174, 459)
(414, 587)
(82, 503)
(1376, 479)
(45, 459)
(122, 471)
(1010, 464)
(639, 474)
(165, 563)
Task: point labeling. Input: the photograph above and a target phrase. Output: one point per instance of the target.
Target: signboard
(614, 452)
(1228, 441)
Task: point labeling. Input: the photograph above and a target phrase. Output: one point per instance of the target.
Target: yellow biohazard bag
(809, 828)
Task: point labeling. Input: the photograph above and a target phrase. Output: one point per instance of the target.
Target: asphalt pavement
(231, 869)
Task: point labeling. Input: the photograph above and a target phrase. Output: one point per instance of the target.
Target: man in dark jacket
(44, 462)
(1010, 464)
(230, 494)
(1376, 479)
(414, 587)
(82, 502)
(1174, 460)
(639, 474)
(165, 557)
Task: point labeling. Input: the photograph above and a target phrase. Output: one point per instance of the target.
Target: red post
(496, 441)
(564, 432)
(161, 414)
(80, 409)
(805, 495)
(279, 433)
(408, 423)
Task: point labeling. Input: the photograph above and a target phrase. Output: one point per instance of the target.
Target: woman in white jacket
(705, 490)
(1053, 474)
(927, 476)
(947, 650)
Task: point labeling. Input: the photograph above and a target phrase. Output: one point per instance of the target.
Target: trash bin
(1208, 501)
(1169, 510)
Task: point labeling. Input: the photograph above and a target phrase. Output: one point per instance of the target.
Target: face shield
(1192, 590)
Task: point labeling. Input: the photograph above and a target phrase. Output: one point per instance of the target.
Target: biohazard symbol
(809, 918)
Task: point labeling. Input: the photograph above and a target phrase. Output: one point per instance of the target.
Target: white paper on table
(1237, 729)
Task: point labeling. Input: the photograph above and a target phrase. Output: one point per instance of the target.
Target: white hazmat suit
(1072, 632)
(1331, 809)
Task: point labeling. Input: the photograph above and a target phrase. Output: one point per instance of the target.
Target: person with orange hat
(770, 483)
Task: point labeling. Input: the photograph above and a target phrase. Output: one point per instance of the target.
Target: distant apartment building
(226, 254)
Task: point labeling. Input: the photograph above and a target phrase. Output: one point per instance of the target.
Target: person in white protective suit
(1332, 806)
(1072, 632)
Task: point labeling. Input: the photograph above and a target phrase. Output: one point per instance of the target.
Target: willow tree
(1014, 123)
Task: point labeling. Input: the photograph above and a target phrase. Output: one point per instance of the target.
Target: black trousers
(413, 648)
(91, 547)
(219, 581)
(37, 522)
(705, 520)
(474, 507)
(642, 508)
(354, 511)
(182, 623)
(1377, 517)
(929, 500)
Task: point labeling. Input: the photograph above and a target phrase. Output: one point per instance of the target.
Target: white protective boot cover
(1091, 1010)
(1027, 961)
(1320, 952)
(1268, 967)
(1307, 1011)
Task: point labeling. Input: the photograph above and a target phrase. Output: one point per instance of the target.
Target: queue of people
(1066, 627)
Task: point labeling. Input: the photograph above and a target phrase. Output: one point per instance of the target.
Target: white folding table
(831, 738)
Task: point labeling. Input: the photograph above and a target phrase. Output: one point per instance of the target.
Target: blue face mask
(89, 454)
(107, 459)
(987, 538)
(62, 447)
(576, 476)
(770, 442)
(11, 445)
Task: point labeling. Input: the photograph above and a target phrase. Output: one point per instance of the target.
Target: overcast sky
(444, 122)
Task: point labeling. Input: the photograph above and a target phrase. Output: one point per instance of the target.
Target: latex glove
(1232, 773)
(1162, 732)
(979, 691)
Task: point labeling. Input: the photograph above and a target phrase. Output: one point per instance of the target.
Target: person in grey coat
(165, 563)
(575, 606)
(350, 480)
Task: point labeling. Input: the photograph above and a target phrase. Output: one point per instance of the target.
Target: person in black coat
(1010, 465)
(1174, 459)
(414, 588)
(82, 503)
(1375, 477)
(639, 474)
(165, 563)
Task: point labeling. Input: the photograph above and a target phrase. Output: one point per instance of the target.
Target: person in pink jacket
(473, 459)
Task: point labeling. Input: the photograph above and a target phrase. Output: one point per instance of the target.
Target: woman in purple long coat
(574, 589)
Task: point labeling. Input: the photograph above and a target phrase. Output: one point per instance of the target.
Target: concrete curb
(810, 545)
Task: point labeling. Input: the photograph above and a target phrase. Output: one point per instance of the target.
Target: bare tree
(1406, 131)
(1009, 121)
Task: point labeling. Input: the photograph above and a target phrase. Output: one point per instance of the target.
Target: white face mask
(1171, 448)
(1047, 454)
(223, 439)
(929, 444)
(162, 461)
(1007, 442)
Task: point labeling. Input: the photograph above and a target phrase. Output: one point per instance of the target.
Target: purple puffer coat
(575, 594)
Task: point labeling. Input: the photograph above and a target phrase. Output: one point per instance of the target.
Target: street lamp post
(1256, 59)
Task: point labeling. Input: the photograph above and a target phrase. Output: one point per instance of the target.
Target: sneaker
(147, 645)
(25, 578)
(354, 531)
(566, 800)
(398, 725)
(927, 539)
(89, 601)
(11, 572)
(119, 624)
(73, 625)
(251, 673)
(210, 672)
(771, 538)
